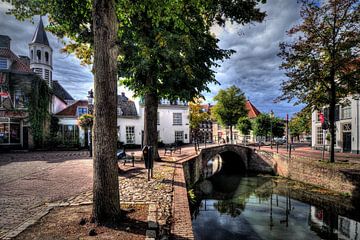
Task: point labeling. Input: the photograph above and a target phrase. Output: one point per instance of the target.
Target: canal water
(260, 207)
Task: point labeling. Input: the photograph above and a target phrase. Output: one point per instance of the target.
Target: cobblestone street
(30, 182)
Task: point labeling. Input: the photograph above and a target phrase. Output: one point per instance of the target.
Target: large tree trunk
(332, 117)
(150, 123)
(106, 203)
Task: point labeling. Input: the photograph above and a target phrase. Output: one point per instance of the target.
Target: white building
(347, 127)
(173, 121)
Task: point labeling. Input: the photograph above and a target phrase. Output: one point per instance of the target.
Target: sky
(254, 68)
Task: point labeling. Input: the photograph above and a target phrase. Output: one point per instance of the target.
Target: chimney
(5, 41)
(25, 59)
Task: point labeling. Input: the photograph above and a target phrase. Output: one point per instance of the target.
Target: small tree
(300, 123)
(230, 107)
(197, 116)
(262, 125)
(244, 125)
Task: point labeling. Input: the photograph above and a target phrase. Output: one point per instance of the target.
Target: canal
(235, 206)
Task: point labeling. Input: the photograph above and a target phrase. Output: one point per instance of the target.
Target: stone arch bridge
(236, 157)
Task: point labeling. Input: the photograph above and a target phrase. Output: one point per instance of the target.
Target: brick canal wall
(339, 177)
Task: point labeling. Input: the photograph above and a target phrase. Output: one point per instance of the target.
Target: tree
(172, 57)
(322, 64)
(106, 207)
(300, 123)
(262, 125)
(197, 116)
(229, 107)
(244, 125)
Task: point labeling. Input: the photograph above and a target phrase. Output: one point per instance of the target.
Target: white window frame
(346, 112)
(177, 119)
(130, 134)
(4, 61)
(319, 136)
(179, 136)
(77, 111)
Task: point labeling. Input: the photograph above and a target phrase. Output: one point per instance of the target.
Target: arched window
(38, 54)
(32, 54)
(46, 57)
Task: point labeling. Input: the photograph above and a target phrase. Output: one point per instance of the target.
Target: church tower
(41, 54)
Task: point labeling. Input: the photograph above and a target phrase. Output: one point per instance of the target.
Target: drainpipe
(357, 97)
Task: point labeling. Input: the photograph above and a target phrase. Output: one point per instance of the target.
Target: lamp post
(357, 98)
(90, 110)
(271, 128)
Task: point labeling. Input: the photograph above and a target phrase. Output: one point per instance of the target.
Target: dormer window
(3, 63)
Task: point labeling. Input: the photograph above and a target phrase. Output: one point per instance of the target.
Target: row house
(346, 125)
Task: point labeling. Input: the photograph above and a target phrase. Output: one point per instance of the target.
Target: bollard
(290, 151)
(277, 148)
(133, 159)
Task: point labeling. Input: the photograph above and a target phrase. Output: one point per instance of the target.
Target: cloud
(254, 67)
(76, 79)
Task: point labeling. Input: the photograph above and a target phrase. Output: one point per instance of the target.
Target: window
(38, 71)
(81, 111)
(32, 54)
(319, 136)
(346, 112)
(158, 118)
(130, 135)
(19, 99)
(47, 76)
(179, 136)
(38, 55)
(347, 127)
(46, 57)
(14, 133)
(3, 63)
(158, 136)
(4, 133)
(177, 119)
(70, 133)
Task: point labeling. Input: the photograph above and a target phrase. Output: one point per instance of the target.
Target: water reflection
(233, 207)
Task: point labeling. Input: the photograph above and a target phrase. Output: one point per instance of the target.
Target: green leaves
(230, 106)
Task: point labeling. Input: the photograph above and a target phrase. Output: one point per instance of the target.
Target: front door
(347, 141)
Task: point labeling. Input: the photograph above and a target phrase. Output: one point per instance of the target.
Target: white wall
(166, 128)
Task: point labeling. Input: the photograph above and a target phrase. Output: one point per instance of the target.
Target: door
(347, 141)
(25, 138)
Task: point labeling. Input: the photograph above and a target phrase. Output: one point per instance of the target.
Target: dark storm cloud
(67, 70)
(255, 65)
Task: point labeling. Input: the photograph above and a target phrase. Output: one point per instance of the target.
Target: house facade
(172, 120)
(222, 134)
(346, 125)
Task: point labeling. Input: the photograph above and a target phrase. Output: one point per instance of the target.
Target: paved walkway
(30, 182)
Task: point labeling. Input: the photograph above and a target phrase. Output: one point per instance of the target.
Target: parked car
(280, 140)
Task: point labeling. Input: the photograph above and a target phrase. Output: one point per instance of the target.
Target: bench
(172, 148)
(122, 156)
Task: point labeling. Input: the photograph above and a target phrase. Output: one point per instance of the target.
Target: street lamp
(271, 128)
(357, 98)
(90, 111)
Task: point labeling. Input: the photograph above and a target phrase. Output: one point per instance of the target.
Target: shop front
(11, 134)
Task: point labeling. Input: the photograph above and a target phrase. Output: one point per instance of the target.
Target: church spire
(40, 34)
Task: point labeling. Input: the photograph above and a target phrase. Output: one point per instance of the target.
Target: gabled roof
(40, 34)
(60, 92)
(127, 107)
(253, 112)
(17, 65)
(71, 110)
